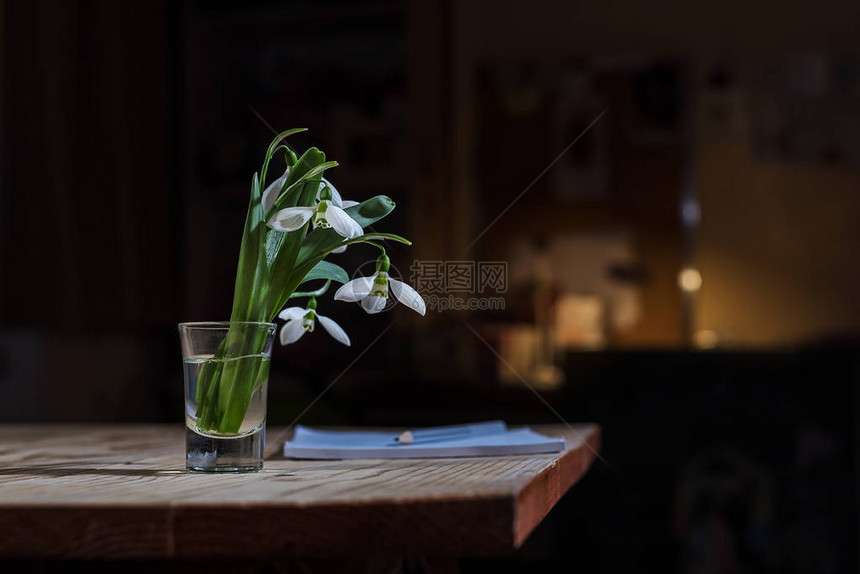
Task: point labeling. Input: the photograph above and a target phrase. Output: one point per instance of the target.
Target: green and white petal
(355, 290)
(373, 304)
(334, 330)
(407, 295)
(291, 218)
(341, 222)
(291, 332)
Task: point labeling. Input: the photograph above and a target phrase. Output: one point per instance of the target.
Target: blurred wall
(89, 272)
(778, 242)
(88, 215)
(779, 248)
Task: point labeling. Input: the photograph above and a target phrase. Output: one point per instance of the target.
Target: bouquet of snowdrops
(292, 225)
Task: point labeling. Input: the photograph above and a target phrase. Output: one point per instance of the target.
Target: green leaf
(290, 189)
(283, 263)
(374, 236)
(274, 240)
(370, 211)
(315, 293)
(250, 274)
(309, 160)
(326, 270)
(281, 137)
(273, 147)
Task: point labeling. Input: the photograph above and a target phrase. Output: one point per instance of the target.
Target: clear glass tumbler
(226, 378)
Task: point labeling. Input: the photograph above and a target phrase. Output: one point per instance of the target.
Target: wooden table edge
(168, 530)
(541, 494)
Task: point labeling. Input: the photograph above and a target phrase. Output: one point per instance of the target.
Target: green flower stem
(207, 410)
(207, 373)
(274, 146)
(239, 378)
(319, 292)
(226, 386)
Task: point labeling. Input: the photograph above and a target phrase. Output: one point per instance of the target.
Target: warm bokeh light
(707, 339)
(690, 280)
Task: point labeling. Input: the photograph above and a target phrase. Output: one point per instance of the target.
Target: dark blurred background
(673, 190)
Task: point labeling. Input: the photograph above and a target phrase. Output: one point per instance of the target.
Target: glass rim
(222, 324)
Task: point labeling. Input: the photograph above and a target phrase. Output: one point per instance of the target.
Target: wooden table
(117, 492)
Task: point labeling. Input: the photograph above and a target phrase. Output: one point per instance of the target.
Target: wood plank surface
(123, 492)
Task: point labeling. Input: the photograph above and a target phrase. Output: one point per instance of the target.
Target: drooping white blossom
(327, 213)
(372, 292)
(300, 321)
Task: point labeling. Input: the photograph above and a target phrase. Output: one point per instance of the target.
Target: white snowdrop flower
(372, 292)
(300, 321)
(325, 214)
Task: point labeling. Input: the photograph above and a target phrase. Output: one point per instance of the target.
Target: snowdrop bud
(383, 263)
(312, 304)
(291, 157)
(325, 194)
